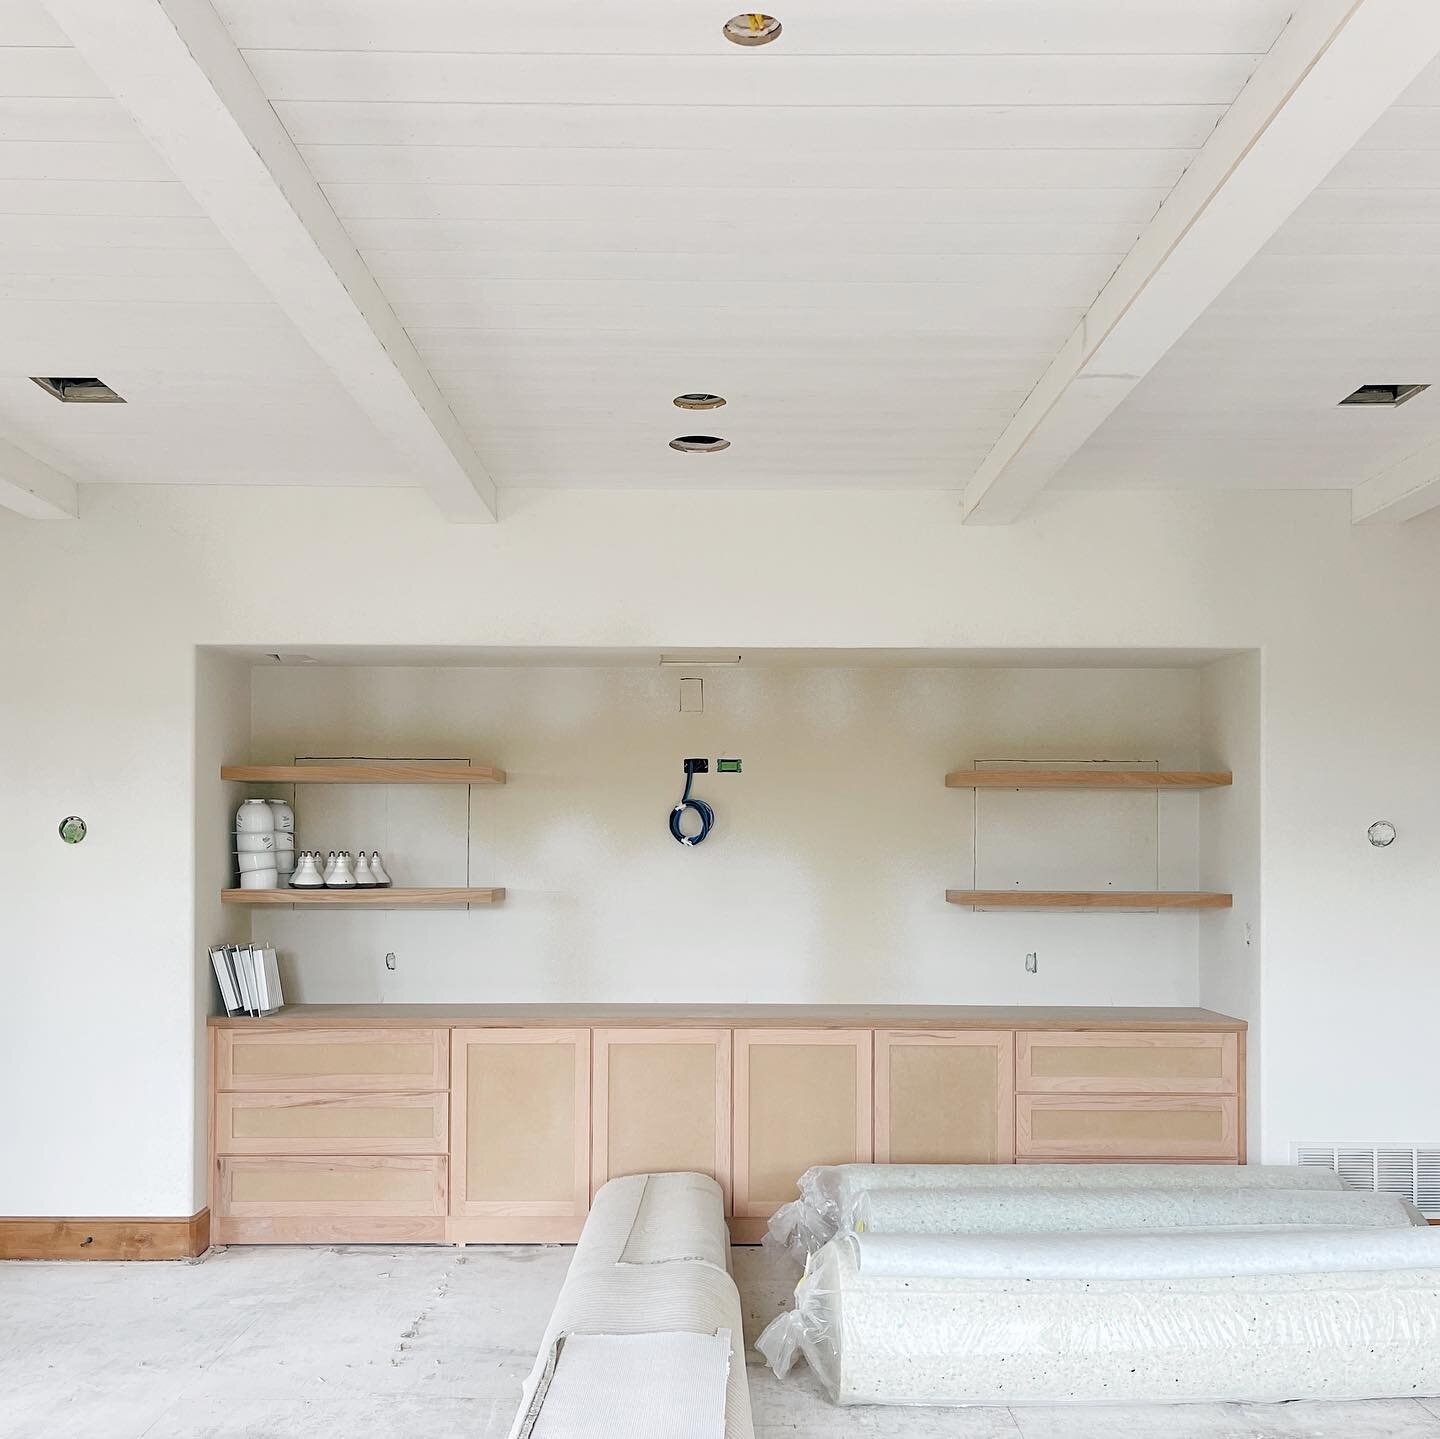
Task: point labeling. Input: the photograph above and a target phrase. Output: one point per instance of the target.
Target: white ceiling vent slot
(1414, 1174)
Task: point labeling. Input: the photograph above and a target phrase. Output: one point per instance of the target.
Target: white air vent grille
(1414, 1174)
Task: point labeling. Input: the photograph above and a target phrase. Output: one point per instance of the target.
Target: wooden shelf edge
(397, 773)
(1088, 899)
(1087, 779)
(362, 898)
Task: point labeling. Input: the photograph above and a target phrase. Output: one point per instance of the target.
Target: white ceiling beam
(33, 489)
(1337, 66)
(173, 66)
(1401, 492)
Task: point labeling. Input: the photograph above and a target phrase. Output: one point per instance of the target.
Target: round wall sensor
(751, 29)
(73, 829)
(698, 401)
(1381, 833)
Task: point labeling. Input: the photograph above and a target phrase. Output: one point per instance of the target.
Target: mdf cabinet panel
(1157, 1127)
(1086, 1062)
(289, 1187)
(802, 1097)
(266, 1123)
(519, 1131)
(660, 1101)
(332, 1060)
(944, 1097)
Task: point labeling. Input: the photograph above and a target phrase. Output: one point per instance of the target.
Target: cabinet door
(1089, 1062)
(1120, 1127)
(944, 1097)
(802, 1097)
(660, 1102)
(520, 1133)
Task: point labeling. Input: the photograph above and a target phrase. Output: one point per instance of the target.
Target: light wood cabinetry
(329, 1135)
(336, 1124)
(660, 1100)
(1127, 1063)
(1090, 1095)
(1124, 1126)
(944, 1097)
(337, 1060)
(802, 1097)
(519, 1133)
(332, 1123)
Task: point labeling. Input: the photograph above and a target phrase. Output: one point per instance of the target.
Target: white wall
(1230, 961)
(97, 717)
(222, 731)
(824, 879)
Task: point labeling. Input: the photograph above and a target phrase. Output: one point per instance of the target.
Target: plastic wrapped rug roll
(1049, 1211)
(888, 1339)
(828, 1193)
(1153, 1255)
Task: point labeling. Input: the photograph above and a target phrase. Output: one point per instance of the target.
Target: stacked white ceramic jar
(264, 843)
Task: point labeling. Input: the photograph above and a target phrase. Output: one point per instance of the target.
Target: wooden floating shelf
(362, 898)
(1087, 779)
(398, 773)
(1088, 899)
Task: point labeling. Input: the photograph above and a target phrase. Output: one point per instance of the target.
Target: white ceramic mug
(248, 843)
(254, 817)
(283, 814)
(284, 839)
(260, 879)
(251, 862)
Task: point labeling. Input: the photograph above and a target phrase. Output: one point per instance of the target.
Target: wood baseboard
(105, 1238)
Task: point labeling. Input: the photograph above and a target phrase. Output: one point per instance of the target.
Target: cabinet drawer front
(331, 1123)
(1117, 1127)
(332, 1060)
(362, 1188)
(1119, 1063)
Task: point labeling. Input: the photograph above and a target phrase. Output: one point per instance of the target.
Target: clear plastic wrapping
(1042, 1211)
(829, 1193)
(1096, 1319)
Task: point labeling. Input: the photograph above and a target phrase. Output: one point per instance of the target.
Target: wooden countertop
(738, 1016)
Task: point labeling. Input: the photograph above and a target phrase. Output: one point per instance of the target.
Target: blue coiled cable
(707, 815)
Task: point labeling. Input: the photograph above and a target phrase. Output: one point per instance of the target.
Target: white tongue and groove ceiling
(873, 236)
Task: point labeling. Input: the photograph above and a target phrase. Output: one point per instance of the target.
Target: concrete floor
(432, 1344)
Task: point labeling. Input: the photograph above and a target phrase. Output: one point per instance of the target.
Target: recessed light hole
(699, 401)
(78, 391)
(751, 29)
(693, 444)
(1390, 395)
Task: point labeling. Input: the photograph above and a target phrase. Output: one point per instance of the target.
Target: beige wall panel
(661, 1102)
(520, 1127)
(1126, 1127)
(334, 1060)
(944, 1098)
(803, 1097)
(255, 1186)
(331, 1124)
(1098, 1063)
